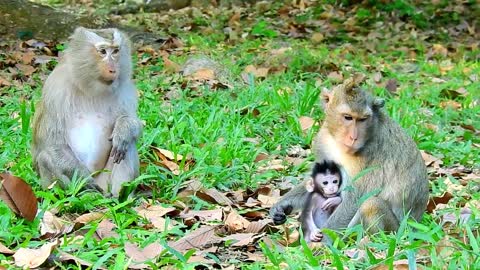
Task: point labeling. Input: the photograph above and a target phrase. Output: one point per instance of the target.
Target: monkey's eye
(362, 119)
(115, 51)
(102, 51)
(348, 117)
(325, 183)
(335, 181)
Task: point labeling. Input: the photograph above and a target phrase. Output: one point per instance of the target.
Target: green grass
(208, 125)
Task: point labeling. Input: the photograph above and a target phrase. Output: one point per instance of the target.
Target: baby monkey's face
(328, 183)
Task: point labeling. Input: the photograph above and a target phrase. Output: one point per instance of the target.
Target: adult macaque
(357, 134)
(86, 120)
(324, 197)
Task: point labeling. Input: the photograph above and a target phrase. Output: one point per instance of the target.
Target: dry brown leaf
(151, 211)
(276, 164)
(5, 250)
(26, 70)
(18, 195)
(52, 226)
(335, 76)
(317, 38)
(431, 160)
(261, 156)
(268, 201)
(169, 65)
(306, 123)
(89, 217)
(240, 239)
(257, 226)
(203, 74)
(32, 258)
(169, 154)
(4, 82)
(236, 222)
(105, 229)
(200, 259)
(162, 224)
(64, 256)
(139, 256)
(433, 202)
(257, 72)
(197, 239)
(392, 86)
(450, 104)
(203, 215)
(251, 202)
(214, 196)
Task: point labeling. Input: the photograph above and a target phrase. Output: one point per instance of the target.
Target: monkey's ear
(378, 103)
(309, 185)
(326, 96)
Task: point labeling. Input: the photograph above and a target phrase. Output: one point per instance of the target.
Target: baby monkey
(322, 200)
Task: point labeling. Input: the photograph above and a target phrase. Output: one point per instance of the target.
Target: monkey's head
(351, 114)
(326, 179)
(99, 54)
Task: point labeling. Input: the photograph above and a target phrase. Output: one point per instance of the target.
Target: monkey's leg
(118, 173)
(293, 200)
(59, 163)
(376, 215)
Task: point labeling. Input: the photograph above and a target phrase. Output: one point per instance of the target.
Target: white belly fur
(88, 138)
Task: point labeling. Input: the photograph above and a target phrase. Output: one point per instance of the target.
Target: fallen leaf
(52, 226)
(213, 196)
(257, 72)
(26, 70)
(306, 123)
(240, 239)
(139, 256)
(89, 217)
(105, 229)
(64, 256)
(433, 202)
(19, 196)
(261, 156)
(236, 222)
(335, 76)
(5, 250)
(151, 211)
(4, 82)
(203, 215)
(257, 226)
(317, 38)
(268, 201)
(169, 65)
(392, 86)
(197, 239)
(450, 104)
(431, 160)
(203, 74)
(276, 164)
(33, 258)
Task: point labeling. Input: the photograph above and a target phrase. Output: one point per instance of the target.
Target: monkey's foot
(315, 236)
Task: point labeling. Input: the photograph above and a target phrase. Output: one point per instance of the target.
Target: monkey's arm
(125, 132)
(331, 202)
(344, 213)
(294, 200)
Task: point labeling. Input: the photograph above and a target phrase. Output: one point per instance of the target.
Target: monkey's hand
(314, 236)
(119, 146)
(331, 202)
(279, 214)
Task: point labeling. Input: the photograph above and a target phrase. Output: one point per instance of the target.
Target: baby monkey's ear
(309, 185)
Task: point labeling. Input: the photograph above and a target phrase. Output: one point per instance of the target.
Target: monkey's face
(353, 128)
(107, 55)
(328, 184)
